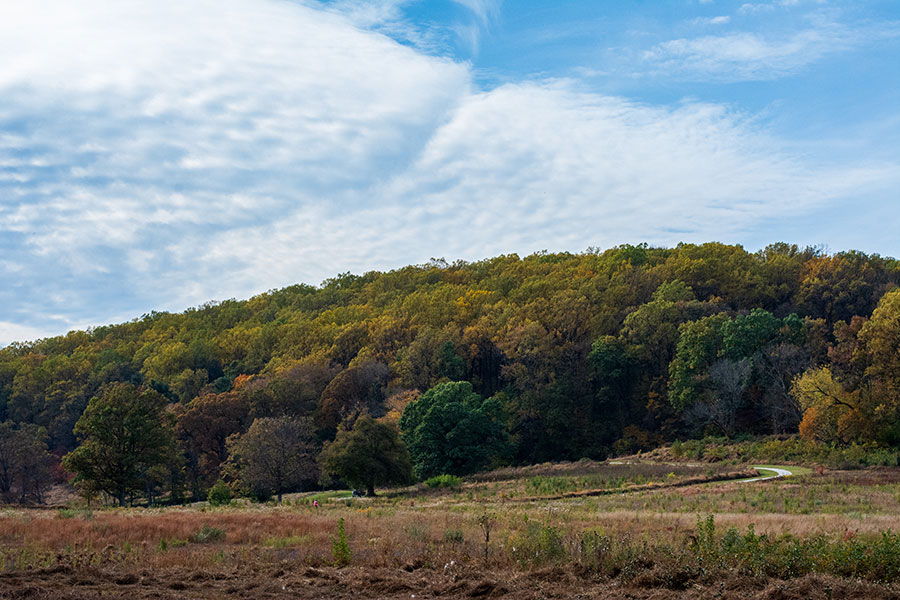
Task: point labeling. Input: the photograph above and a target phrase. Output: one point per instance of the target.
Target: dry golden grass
(392, 531)
(636, 530)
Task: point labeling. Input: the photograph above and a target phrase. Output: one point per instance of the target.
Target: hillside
(585, 354)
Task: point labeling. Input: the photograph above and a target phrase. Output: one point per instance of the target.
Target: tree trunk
(195, 484)
(370, 490)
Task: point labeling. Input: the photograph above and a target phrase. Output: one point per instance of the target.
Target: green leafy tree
(744, 335)
(125, 433)
(451, 429)
(369, 454)
(723, 365)
(698, 345)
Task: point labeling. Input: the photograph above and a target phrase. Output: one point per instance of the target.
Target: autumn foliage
(581, 355)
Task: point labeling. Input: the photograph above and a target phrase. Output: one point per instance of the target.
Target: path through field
(777, 473)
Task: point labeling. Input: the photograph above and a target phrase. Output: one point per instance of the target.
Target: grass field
(638, 530)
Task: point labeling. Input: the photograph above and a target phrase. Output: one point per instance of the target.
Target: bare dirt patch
(63, 584)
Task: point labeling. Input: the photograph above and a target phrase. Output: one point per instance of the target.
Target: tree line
(469, 365)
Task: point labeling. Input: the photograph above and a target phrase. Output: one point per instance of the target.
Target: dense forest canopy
(580, 355)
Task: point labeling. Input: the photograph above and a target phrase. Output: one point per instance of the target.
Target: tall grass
(619, 545)
(764, 529)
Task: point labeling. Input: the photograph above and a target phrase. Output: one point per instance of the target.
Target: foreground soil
(66, 583)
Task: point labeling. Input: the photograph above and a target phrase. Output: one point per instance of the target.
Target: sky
(160, 155)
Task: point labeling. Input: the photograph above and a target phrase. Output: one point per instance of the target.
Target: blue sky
(155, 156)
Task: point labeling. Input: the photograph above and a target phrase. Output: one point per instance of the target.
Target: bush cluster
(444, 481)
(209, 535)
(219, 494)
(710, 554)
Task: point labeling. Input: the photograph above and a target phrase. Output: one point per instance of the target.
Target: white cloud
(527, 167)
(750, 8)
(744, 56)
(720, 20)
(386, 17)
(15, 332)
(485, 10)
(156, 156)
(137, 126)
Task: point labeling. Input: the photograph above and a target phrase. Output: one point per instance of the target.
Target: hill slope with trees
(568, 356)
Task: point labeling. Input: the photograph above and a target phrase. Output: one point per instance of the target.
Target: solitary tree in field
(367, 455)
(125, 434)
(275, 455)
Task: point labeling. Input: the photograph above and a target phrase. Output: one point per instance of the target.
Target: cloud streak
(764, 53)
(744, 56)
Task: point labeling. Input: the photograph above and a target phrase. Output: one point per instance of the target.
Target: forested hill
(587, 354)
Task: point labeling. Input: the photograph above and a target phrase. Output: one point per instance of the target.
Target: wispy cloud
(469, 33)
(156, 156)
(750, 8)
(485, 10)
(742, 56)
(535, 166)
(388, 17)
(138, 128)
(720, 20)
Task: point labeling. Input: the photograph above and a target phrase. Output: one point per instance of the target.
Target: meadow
(637, 529)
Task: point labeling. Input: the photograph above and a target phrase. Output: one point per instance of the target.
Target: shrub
(340, 548)
(209, 535)
(219, 494)
(539, 544)
(165, 544)
(71, 513)
(882, 457)
(453, 536)
(540, 485)
(417, 532)
(444, 481)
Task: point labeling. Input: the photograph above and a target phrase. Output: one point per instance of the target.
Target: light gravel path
(779, 472)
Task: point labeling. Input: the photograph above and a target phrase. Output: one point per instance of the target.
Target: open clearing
(635, 530)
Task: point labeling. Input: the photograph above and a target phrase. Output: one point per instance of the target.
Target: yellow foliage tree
(829, 411)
